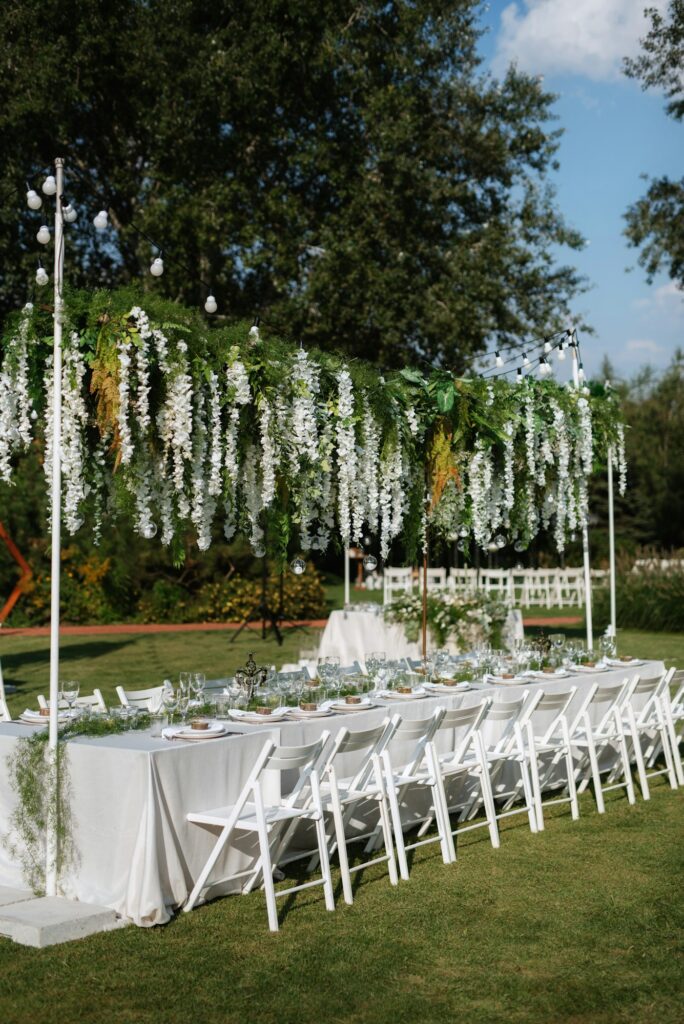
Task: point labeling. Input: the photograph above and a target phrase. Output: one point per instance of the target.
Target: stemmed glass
(169, 699)
(558, 641)
(70, 692)
(197, 683)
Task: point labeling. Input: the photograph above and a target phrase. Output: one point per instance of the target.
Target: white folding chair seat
(93, 700)
(465, 765)
(549, 748)
(649, 722)
(591, 740)
(341, 797)
(250, 813)
(419, 772)
(143, 699)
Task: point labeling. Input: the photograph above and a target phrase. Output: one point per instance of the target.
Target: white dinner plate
(500, 681)
(589, 669)
(559, 673)
(419, 691)
(186, 732)
(30, 717)
(442, 688)
(616, 663)
(300, 714)
(252, 718)
(341, 707)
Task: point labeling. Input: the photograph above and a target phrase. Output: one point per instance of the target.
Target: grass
(580, 924)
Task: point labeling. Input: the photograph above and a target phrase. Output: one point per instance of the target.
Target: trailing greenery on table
(461, 619)
(185, 427)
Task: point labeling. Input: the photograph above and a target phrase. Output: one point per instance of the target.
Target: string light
(50, 185)
(254, 330)
(518, 376)
(525, 359)
(157, 267)
(561, 351)
(498, 360)
(33, 200)
(69, 213)
(41, 275)
(581, 376)
(547, 347)
(101, 220)
(43, 234)
(210, 305)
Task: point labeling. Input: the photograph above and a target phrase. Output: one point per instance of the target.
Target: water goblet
(197, 683)
(70, 691)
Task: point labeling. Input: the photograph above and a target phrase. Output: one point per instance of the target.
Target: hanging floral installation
(195, 430)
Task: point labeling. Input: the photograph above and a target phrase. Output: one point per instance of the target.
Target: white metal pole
(585, 541)
(611, 545)
(55, 530)
(347, 597)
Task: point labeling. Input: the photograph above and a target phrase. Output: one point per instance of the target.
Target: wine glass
(557, 640)
(197, 683)
(70, 691)
(169, 700)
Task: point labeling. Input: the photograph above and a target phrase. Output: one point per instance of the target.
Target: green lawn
(580, 924)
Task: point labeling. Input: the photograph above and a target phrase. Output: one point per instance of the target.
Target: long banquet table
(130, 793)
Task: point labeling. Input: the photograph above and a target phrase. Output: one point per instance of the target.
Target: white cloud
(644, 345)
(582, 37)
(670, 296)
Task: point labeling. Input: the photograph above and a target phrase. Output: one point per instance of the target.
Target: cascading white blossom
(251, 492)
(123, 351)
(269, 459)
(392, 496)
(621, 459)
(238, 394)
(176, 432)
(345, 436)
(367, 505)
(16, 407)
(73, 448)
(480, 472)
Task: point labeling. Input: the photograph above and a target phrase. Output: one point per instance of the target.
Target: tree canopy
(655, 223)
(343, 168)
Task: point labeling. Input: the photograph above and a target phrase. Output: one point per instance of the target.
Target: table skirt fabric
(134, 850)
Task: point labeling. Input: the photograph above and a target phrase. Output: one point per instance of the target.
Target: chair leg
(667, 751)
(207, 869)
(627, 770)
(527, 791)
(596, 777)
(265, 845)
(323, 844)
(397, 828)
(536, 790)
(572, 791)
(341, 847)
(674, 746)
(385, 822)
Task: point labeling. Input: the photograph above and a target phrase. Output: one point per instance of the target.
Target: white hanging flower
(346, 453)
(74, 423)
(621, 459)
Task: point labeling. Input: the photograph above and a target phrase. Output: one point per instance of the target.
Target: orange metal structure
(26, 573)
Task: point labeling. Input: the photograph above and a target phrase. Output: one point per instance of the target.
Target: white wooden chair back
(397, 580)
(93, 700)
(556, 704)
(144, 699)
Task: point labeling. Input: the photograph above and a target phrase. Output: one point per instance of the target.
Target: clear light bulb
(43, 234)
(101, 220)
(581, 376)
(157, 267)
(498, 360)
(210, 305)
(518, 376)
(561, 351)
(298, 566)
(33, 200)
(41, 277)
(50, 185)
(69, 213)
(547, 346)
(370, 563)
(526, 361)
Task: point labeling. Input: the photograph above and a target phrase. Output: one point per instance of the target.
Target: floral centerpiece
(462, 619)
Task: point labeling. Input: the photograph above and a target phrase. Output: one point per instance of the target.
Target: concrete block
(51, 919)
(9, 895)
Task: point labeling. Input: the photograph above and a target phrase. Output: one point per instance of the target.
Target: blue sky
(614, 132)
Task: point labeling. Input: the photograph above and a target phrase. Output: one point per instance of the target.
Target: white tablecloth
(351, 635)
(135, 851)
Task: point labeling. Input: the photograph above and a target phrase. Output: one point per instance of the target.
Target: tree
(342, 167)
(655, 223)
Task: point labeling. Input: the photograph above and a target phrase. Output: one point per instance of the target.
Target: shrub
(650, 599)
(232, 599)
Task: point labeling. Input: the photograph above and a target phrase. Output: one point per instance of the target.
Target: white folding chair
(250, 813)
(144, 699)
(504, 749)
(5, 715)
(93, 700)
(419, 772)
(465, 764)
(548, 741)
(436, 579)
(399, 580)
(673, 710)
(649, 722)
(342, 796)
(607, 735)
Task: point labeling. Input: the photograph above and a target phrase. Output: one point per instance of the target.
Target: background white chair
(506, 756)
(143, 699)
(5, 715)
(396, 581)
(93, 700)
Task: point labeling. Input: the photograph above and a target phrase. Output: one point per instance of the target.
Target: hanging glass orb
(464, 531)
(149, 530)
(461, 545)
(520, 545)
(500, 541)
(370, 562)
(298, 566)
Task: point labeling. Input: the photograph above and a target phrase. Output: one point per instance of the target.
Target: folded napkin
(616, 663)
(62, 716)
(275, 713)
